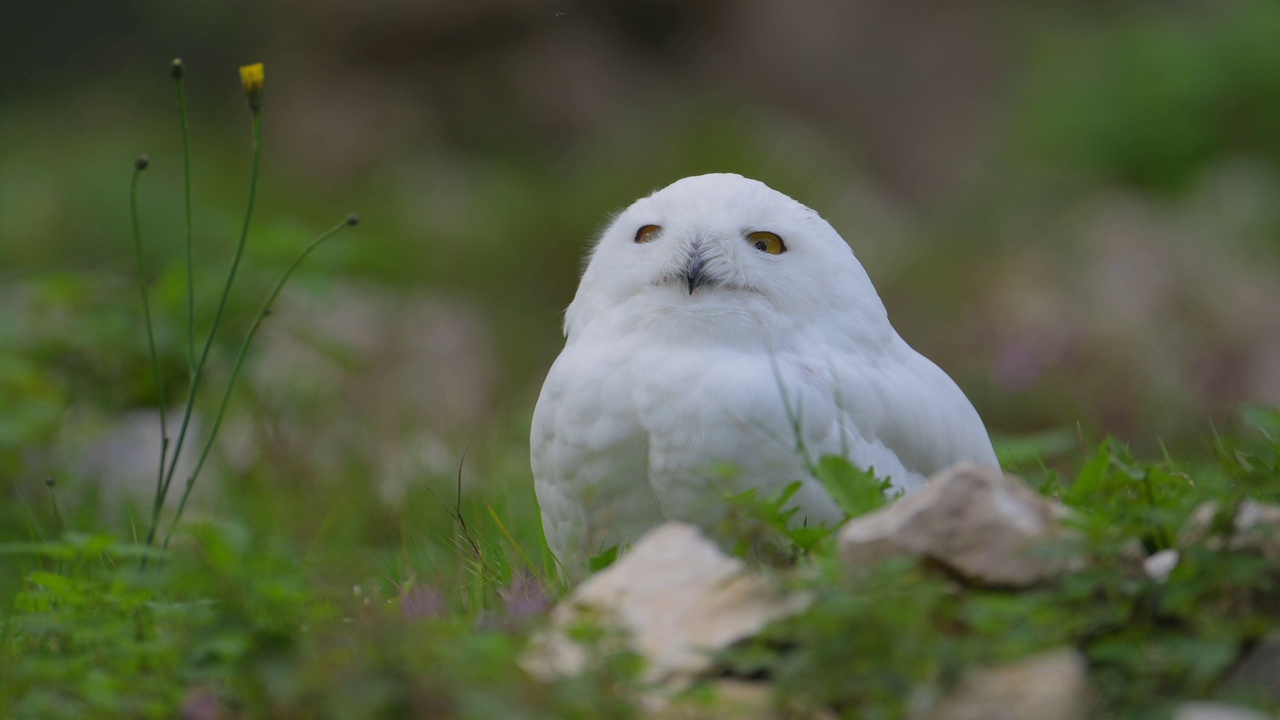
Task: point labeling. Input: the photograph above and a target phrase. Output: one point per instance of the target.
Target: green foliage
(320, 601)
(1118, 499)
(231, 620)
(258, 618)
(1151, 98)
(865, 651)
(604, 559)
(855, 490)
(98, 637)
(878, 640)
(764, 528)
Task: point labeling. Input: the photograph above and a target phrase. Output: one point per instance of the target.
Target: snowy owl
(722, 336)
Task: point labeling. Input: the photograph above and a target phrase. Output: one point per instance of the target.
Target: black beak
(694, 274)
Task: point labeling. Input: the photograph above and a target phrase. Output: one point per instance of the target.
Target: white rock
(977, 522)
(1159, 565)
(120, 454)
(1049, 686)
(1256, 526)
(1216, 711)
(676, 597)
(124, 455)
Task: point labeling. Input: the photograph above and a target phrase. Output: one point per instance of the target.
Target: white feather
(779, 360)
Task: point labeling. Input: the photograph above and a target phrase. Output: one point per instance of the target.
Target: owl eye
(767, 242)
(647, 233)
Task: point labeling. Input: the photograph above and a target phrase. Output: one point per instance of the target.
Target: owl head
(722, 258)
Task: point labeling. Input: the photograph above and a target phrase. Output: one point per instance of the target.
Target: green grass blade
(217, 321)
(139, 166)
(263, 312)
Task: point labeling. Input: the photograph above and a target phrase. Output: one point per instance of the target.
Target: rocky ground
(681, 604)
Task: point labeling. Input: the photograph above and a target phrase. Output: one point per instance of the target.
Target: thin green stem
(186, 184)
(57, 507)
(151, 341)
(57, 516)
(235, 370)
(217, 320)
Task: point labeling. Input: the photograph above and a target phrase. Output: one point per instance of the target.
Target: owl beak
(694, 274)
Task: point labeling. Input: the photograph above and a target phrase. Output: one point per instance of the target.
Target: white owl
(721, 324)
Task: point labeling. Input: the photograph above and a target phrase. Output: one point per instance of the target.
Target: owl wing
(907, 407)
(590, 458)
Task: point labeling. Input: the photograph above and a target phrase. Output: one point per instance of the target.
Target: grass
(899, 631)
(252, 78)
(305, 596)
(265, 615)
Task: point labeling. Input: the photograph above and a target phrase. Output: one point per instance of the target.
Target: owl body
(699, 361)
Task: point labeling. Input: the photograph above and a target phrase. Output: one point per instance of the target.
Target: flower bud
(252, 77)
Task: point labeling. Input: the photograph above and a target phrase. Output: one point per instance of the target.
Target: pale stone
(977, 522)
(120, 454)
(1161, 564)
(1255, 526)
(123, 456)
(1049, 686)
(675, 596)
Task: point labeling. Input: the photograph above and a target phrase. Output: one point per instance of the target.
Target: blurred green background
(1073, 207)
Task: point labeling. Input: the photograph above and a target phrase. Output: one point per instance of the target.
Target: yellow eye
(767, 242)
(647, 233)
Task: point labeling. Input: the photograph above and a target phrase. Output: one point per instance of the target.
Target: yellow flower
(252, 77)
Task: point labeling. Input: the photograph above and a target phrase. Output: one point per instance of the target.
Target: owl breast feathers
(722, 338)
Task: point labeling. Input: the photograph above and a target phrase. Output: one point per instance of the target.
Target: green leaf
(51, 549)
(856, 491)
(49, 581)
(1091, 479)
(1263, 419)
(603, 560)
